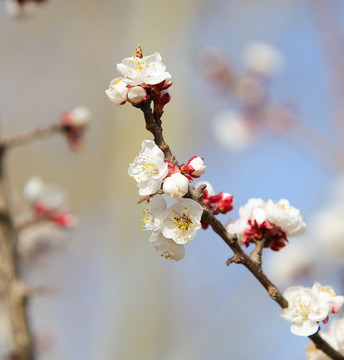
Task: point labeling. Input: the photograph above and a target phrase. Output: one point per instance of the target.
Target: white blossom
(149, 168)
(181, 221)
(136, 94)
(306, 307)
(262, 59)
(117, 91)
(146, 70)
(287, 217)
(176, 185)
(195, 167)
(151, 219)
(14, 8)
(232, 130)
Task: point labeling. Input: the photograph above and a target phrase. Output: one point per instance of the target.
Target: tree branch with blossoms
(266, 224)
(47, 206)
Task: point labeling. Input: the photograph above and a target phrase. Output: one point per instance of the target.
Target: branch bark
(14, 291)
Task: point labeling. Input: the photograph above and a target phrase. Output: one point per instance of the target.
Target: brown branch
(231, 240)
(30, 136)
(256, 254)
(14, 291)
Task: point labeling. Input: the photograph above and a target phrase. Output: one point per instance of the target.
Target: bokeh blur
(117, 298)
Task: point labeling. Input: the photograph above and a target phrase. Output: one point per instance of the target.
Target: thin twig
(30, 136)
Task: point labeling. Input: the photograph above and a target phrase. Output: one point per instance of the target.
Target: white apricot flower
(149, 168)
(181, 221)
(176, 185)
(306, 307)
(287, 217)
(262, 59)
(148, 70)
(232, 130)
(151, 219)
(334, 336)
(117, 91)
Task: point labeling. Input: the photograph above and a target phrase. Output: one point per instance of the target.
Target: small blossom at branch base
(334, 336)
(181, 221)
(176, 185)
(149, 168)
(118, 91)
(75, 124)
(195, 167)
(136, 95)
(160, 100)
(208, 191)
(18, 8)
(307, 307)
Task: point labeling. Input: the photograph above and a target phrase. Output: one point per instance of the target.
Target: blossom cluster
(177, 225)
(272, 221)
(143, 78)
(308, 306)
(23, 7)
(48, 202)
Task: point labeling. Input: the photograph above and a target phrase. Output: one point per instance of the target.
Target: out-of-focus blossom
(327, 227)
(232, 130)
(48, 202)
(149, 168)
(181, 221)
(209, 190)
(306, 307)
(6, 342)
(23, 7)
(169, 248)
(262, 59)
(75, 124)
(176, 185)
(117, 91)
(292, 264)
(271, 221)
(334, 336)
(195, 167)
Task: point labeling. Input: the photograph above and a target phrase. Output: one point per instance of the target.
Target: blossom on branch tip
(308, 306)
(75, 124)
(149, 168)
(176, 185)
(147, 70)
(136, 95)
(195, 167)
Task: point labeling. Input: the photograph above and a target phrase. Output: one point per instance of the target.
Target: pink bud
(195, 167)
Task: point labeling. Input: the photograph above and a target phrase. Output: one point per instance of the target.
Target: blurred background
(118, 299)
